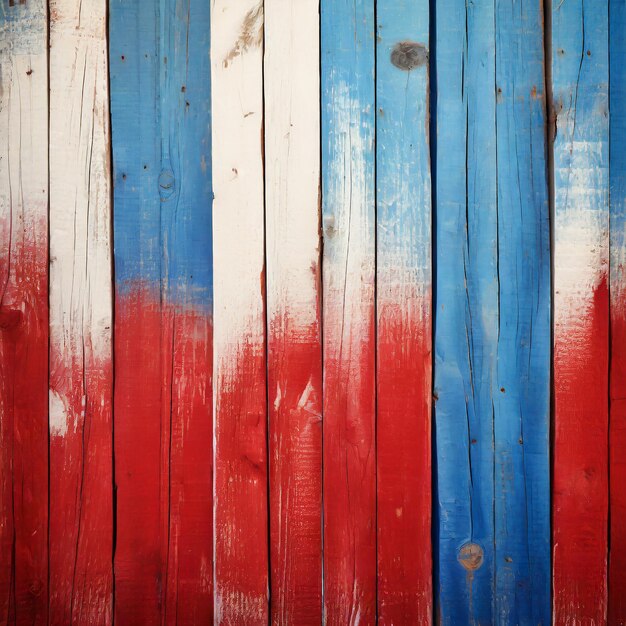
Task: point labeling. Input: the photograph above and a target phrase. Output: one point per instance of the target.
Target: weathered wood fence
(313, 311)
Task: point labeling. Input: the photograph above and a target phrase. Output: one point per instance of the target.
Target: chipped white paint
(80, 205)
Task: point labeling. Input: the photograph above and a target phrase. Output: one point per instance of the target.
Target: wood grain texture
(294, 368)
(617, 436)
(23, 313)
(348, 210)
(466, 317)
(521, 396)
(160, 77)
(240, 485)
(492, 374)
(581, 311)
(404, 330)
(81, 312)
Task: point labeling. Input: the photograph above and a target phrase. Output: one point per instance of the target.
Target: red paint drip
(580, 497)
(295, 427)
(163, 440)
(404, 470)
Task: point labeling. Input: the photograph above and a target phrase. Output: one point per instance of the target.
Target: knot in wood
(407, 55)
(471, 556)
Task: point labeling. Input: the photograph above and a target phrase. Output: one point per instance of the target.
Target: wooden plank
(404, 330)
(240, 453)
(521, 395)
(348, 210)
(581, 311)
(294, 369)
(23, 313)
(492, 376)
(617, 436)
(466, 329)
(81, 312)
(162, 184)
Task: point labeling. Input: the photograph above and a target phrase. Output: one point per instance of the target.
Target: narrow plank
(581, 311)
(23, 313)
(81, 312)
(466, 314)
(348, 211)
(617, 437)
(160, 77)
(294, 369)
(521, 395)
(240, 412)
(404, 329)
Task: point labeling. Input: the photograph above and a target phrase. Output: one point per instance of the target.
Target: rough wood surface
(348, 217)
(81, 369)
(292, 199)
(403, 298)
(160, 78)
(23, 313)
(581, 311)
(240, 485)
(493, 316)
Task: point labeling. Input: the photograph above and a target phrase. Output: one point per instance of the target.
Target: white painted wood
(240, 481)
(292, 160)
(24, 132)
(80, 202)
(292, 209)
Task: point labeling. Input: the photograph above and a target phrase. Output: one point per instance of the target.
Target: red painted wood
(403, 465)
(241, 480)
(580, 486)
(139, 564)
(617, 452)
(24, 418)
(81, 493)
(295, 426)
(163, 435)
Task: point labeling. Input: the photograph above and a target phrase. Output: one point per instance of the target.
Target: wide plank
(160, 77)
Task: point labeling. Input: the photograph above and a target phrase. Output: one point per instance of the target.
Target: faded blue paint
(492, 339)
(161, 130)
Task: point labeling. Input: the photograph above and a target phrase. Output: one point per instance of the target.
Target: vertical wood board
(404, 329)
(581, 311)
(23, 313)
(292, 197)
(240, 410)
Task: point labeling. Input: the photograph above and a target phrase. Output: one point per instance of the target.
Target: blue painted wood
(404, 332)
(160, 108)
(466, 317)
(348, 213)
(522, 394)
(492, 342)
(161, 135)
